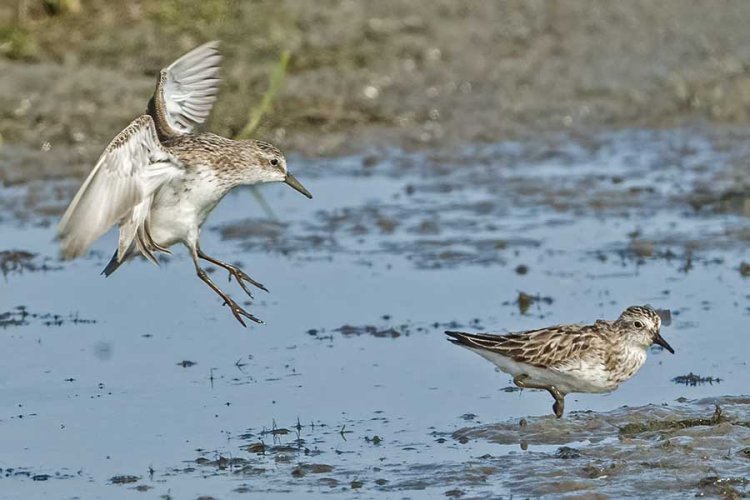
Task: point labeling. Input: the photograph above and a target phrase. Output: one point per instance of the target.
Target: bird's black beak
(296, 185)
(659, 340)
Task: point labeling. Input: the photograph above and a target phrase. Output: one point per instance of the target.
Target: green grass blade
(256, 114)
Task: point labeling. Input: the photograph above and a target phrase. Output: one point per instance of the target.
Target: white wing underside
(120, 190)
(189, 87)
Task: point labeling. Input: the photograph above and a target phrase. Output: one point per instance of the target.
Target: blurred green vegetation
(17, 42)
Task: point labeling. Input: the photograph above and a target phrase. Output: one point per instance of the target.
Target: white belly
(586, 377)
(180, 208)
(172, 225)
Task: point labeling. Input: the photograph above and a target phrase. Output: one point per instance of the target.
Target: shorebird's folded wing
(130, 170)
(547, 347)
(186, 90)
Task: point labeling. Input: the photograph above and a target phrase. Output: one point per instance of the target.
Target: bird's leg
(558, 407)
(235, 271)
(233, 306)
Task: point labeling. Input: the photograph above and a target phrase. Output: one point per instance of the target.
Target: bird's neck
(626, 361)
(157, 108)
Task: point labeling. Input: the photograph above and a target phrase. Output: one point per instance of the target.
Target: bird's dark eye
(637, 324)
(274, 161)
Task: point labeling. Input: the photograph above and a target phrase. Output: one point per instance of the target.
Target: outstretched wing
(118, 190)
(548, 347)
(186, 90)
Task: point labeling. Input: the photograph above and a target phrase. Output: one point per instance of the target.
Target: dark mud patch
(276, 237)
(124, 479)
(33, 474)
(314, 455)
(304, 469)
(36, 203)
(274, 455)
(20, 316)
(391, 330)
(350, 330)
(19, 261)
(681, 250)
(524, 301)
(692, 380)
(732, 201)
(456, 252)
(725, 487)
(267, 230)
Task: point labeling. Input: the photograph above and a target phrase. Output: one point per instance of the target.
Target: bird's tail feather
(113, 265)
(459, 338)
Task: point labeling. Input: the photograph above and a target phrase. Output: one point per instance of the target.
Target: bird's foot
(558, 408)
(242, 278)
(239, 312)
(236, 309)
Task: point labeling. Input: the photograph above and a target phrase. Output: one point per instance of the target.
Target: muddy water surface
(141, 385)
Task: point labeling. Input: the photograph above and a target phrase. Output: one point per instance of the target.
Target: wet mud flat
(142, 385)
(696, 447)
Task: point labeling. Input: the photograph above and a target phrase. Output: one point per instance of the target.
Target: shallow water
(143, 385)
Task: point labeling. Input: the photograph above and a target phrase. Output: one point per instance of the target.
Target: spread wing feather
(187, 88)
(119, 189)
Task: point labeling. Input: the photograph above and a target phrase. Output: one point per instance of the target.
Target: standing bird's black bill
(296, 185)
(659, 340)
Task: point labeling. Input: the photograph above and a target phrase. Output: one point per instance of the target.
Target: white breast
(181, 207)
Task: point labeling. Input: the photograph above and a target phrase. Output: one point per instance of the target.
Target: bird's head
(265, 163)
(641, 325)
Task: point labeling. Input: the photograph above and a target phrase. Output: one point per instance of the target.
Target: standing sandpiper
(159, 179)
(572, 358)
